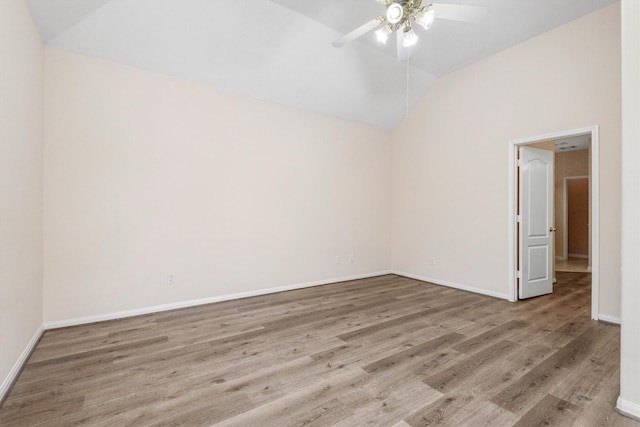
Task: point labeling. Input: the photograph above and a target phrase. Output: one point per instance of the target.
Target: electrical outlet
(351, 258)
(432, 260)
(171, 279)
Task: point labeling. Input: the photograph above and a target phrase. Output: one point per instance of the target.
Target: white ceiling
(573, 143)
(280, 50)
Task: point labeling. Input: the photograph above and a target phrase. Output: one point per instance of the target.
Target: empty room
(322, 213)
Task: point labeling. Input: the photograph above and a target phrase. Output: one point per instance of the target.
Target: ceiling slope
(280, 50)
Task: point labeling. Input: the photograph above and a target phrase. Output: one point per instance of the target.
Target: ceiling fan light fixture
(409, 37)
(383, 33)
(425, 17)
(395, 13)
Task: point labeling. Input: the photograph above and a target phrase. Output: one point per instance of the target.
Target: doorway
(575, 254)
(513, 242)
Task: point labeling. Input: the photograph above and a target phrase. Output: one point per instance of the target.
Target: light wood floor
(386, 351)
(572, 264)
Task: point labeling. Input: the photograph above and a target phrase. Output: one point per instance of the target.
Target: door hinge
(518, 274)
(518, 218)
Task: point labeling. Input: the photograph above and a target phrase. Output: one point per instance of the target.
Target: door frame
(594, 203)
(565, 217)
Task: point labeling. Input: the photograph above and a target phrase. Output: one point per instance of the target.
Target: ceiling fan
(400, 15)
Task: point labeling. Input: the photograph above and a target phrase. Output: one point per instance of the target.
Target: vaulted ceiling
(280, 50)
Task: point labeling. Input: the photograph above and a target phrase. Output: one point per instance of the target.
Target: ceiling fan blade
(460, 12)
(403, 53)
(359, 32)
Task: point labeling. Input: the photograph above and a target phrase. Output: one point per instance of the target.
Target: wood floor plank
(563, 334)
(419, 350)
(40, 412)
(525, 392)
(384, 399)
(462, 410)
(510, 368)
(383, 351)
(452, 377)
(439, 412)
(420, 315)
(385, 342)
(585, 382)
(550, 411)
(482, 413)
(596, 412)
(487, 338)
(294, 408)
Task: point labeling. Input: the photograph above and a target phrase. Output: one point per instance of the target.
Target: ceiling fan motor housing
(399, 11)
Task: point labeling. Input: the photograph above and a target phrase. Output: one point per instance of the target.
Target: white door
(536, 222)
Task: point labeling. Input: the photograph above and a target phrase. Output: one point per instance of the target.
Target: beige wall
(570, 163)
(148, 175)
(21, 53)
(450, 157)
(630, 348)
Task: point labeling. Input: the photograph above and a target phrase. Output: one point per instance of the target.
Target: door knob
(552, 229)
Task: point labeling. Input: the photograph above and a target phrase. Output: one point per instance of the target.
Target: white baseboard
(609, 319)
(453, 285)
(583, 256)
(17, 367)
(628, 408)
(190, 303)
